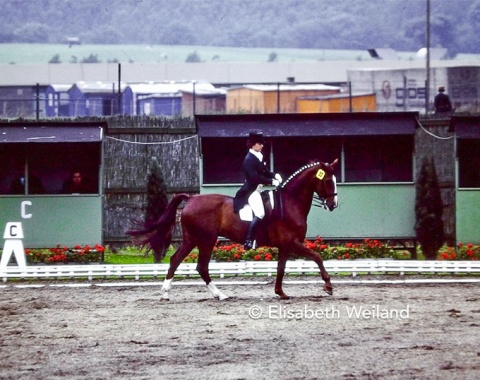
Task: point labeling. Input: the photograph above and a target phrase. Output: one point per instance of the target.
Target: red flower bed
(62, 254)
(366, 249)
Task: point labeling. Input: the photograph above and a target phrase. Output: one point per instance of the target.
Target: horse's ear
(334, 163)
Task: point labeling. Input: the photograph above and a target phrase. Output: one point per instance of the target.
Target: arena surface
(363, 331)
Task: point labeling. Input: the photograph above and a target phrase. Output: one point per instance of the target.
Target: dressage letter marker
(13, 236)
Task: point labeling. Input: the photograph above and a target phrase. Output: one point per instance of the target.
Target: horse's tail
(158, 235)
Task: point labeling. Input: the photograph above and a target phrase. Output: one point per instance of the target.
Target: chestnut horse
(208, 216)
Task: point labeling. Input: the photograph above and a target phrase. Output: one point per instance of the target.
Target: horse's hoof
(282, 295)
(223, 297)
(328, 289)
(165, 297)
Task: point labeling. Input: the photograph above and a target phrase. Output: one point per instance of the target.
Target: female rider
(256, 175)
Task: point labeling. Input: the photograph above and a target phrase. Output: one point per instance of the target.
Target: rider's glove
(278, 177)
(275, 182)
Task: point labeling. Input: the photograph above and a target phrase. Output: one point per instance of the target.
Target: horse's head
(314, 178)
(325, 185)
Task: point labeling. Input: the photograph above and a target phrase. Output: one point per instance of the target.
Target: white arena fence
(243, 268)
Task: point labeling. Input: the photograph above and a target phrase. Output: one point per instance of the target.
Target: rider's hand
(275, 182)
(278, 177)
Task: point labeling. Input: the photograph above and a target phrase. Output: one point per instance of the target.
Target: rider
(256, 175)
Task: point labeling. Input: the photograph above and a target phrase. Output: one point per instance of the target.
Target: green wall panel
(468, 216)
(51, 220)
(365, 211)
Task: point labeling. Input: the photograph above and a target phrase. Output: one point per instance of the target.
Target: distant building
(21, 100)
(337, 103)
(166, 104)
(57, 100)
(404, 89)
(281, 98)
(172, 98)
(93, 99)
(203, 100)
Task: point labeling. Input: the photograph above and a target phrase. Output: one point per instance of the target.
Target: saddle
(271, 202)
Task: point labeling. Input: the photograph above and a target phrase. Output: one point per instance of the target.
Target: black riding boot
(250, 239)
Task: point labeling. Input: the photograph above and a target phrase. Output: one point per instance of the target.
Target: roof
(61, 87)
(162, 95)
(213, 72)
(465, 127)
(98, 87)
(29, 132)
(383, 53)
(290, 87)
(336, 96)
(172, 87)
(308, 124)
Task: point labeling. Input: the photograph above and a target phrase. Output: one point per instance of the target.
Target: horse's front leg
(301, 250)
(282, 261)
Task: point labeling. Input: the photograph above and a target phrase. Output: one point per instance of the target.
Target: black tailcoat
(256, 173)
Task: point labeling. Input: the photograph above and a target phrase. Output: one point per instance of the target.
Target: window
(468, 162)
(291, 153)
(379, 158)
(371, 147)
(48, 167)
(223, 159)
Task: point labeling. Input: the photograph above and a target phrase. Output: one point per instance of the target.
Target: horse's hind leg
(204, 255)
(176, 259)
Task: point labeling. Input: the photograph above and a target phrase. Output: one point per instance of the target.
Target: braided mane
(302, 169)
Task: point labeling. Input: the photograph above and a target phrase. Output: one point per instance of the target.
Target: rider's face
(257, 147)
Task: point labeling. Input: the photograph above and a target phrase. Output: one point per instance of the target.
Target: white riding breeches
(256, 203)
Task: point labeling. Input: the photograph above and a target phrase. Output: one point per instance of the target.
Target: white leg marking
(167, 285)
(215, 292)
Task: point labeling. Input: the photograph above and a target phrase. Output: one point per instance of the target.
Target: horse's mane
(298, 172)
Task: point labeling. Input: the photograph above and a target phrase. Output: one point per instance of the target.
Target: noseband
(322, 202)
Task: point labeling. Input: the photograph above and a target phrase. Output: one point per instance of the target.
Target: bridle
(322, 201)
(318, 201)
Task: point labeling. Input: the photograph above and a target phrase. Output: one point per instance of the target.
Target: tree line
(305, 24)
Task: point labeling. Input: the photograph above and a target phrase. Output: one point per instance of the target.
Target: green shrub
(428, 210)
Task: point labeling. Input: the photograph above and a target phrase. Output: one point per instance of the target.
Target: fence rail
(248, 268)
